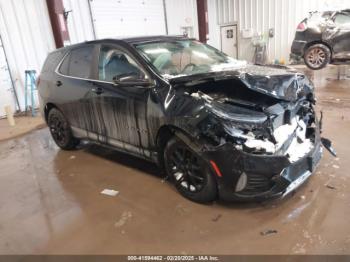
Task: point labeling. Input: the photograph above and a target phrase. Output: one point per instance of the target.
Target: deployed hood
(278, 82)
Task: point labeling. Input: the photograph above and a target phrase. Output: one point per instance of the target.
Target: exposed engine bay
(257, 123)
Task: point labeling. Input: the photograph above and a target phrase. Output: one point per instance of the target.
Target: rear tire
(317, 56)
(61, 131)
(190, 173)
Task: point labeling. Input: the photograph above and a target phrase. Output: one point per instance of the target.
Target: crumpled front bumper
(268, 176)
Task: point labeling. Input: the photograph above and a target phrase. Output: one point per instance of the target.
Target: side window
(78, 62)
(342, 19)
(115, 64)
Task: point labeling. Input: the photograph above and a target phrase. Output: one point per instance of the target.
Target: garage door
(127, 18)
(6, 95)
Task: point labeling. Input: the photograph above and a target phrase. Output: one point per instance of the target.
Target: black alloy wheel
(60, 130)
(190, 173)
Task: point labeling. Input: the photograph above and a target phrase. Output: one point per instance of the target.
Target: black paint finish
(324, 29)
(201, 109)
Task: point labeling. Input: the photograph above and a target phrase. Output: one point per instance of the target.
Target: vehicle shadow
(149, 168)
(124, 159)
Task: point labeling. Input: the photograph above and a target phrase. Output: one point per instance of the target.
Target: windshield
(185, 57)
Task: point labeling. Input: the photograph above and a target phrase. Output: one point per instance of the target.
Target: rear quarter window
(77, 63)
(342, 19)
(52, 61)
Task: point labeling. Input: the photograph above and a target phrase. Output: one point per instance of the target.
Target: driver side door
(121, 90)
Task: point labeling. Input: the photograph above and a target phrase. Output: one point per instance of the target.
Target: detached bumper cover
(268, 176)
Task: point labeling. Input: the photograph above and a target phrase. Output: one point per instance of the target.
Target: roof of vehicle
(130, 40)
(140, 39)
(331, 11)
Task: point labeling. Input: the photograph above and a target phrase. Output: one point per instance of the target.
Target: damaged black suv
(218, 126)
(322, 38)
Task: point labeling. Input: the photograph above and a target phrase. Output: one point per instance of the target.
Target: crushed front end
(260, 146)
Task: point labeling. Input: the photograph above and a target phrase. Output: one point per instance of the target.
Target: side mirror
(127, 77)
(132, 80)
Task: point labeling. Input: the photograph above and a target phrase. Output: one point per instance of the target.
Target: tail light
(301, 27)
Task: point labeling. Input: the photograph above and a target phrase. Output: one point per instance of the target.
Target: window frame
(148, 78)
(95, 61)
(340, 13)
(68, 53)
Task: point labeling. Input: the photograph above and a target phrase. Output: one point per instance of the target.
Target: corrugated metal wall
(127, 18)
(27, 37)
(79, 21)
(260, 15)
(6, 92)
(180, 14)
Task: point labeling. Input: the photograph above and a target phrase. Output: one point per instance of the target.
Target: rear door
(121, 108)
(339, 35)
(73, 88)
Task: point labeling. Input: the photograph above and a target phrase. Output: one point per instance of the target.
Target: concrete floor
(50, 201)
(23, 125)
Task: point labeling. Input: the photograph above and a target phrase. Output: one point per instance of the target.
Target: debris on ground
(302, 197)
(109, 192)
(330, 187)
(268, 232)
(181, 210)
(125, 216)
(299, 248)
(72, 157)
(335, 166)
(296, 212)
(216, 219)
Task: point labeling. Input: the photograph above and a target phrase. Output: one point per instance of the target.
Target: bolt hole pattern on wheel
(317, 56)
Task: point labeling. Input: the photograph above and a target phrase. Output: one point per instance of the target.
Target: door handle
(97, 90)
(58, 83)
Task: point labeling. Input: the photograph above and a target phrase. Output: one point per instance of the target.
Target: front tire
(317, 56)
(190, 173)
(60, 130)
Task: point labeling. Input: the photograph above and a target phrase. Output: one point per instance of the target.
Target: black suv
(323, 38)
(218, 126)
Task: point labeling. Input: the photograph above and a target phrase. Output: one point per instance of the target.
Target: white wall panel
(27, 37)
(6, 95)
(181, 13)
(214, 29)
(79, 21)
(127, 18)
(260, 15)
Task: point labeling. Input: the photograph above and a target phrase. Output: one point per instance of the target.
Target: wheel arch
(47, 109)
(164, 133)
